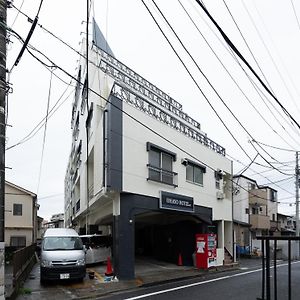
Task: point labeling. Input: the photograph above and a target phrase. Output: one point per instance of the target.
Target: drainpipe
(104, 141)
(233, 241)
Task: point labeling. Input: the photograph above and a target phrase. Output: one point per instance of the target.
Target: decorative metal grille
(155, 112)
(147, 90)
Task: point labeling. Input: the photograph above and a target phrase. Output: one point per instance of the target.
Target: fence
(267, 254)
(22, 263)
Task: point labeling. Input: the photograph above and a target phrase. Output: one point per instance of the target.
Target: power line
(245, 41)
(233, 47)
(235, 82)
(257, 89)
(274, 147)
(192, 77)
(272, 59)
(206, 78)
(27, 38)
(45, 132)
(136, 120)
(15, 19)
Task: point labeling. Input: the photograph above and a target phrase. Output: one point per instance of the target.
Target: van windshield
(62, 243)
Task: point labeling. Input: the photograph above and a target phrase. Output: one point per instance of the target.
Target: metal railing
(266, 265)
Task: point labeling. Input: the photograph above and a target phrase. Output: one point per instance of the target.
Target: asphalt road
(243, 284)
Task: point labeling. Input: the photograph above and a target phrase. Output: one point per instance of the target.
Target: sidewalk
(148, 272)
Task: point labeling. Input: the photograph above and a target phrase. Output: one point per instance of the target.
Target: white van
(98, 247)
(62, 255)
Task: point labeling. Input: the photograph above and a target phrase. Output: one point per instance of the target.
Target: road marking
(203, 282)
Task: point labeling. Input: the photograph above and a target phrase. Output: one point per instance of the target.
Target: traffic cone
(109, 270)
(179, 260)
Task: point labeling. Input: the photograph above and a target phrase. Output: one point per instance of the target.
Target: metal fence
(269, 253)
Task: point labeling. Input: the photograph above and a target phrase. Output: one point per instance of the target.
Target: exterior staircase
(228, 259)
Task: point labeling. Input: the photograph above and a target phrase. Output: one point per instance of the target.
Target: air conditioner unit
(220, 195)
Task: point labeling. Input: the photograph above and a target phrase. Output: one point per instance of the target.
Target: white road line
(202, 282)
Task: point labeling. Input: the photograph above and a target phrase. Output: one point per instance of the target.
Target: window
(273, 195)
(161, 164)
(18, 241)
(218, 177)
(78, 205)
(17, 210)
(194, 173)
(247, 211)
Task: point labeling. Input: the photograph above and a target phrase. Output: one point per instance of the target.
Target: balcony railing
(260, 221)
(258, 196)
(161, 175)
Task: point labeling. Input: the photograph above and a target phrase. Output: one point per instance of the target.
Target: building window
(18, 241)
(78, 205)
(161, 164)
(218, 177)
(17, 210)
(247, 211)
(273, 195)
(194, 173)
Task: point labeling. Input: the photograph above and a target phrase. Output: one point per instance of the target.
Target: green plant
(25, 291)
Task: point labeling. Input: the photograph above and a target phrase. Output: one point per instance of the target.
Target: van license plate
(65, 276)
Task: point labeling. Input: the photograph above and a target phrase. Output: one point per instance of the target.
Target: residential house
(254, 213)
(142, 167)
(287, 224)
(20, 216)
(56, 221)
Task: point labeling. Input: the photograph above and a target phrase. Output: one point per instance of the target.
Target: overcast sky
(270, 28)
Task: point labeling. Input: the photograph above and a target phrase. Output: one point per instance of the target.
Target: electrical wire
(196, 83)
(44, 136)
(18, 12)
(40, 125)
(138, 121)
(274, 147)
(255, 86)
(206, 78)
(247, 45)
(233, 47)
(27, 38)
(229, 74)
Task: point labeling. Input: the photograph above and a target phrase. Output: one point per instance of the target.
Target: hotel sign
(176, 202)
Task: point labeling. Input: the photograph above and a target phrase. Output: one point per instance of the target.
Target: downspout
(233, 241)
(104, 176)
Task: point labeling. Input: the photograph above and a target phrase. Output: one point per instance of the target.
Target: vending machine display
(206, 250)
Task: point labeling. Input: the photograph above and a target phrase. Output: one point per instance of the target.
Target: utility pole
(297, 194)
(3, 87)
(87, 231)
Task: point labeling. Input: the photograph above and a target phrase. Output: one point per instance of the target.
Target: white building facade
(151, 178)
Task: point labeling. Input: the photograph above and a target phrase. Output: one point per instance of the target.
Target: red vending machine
(206, 250)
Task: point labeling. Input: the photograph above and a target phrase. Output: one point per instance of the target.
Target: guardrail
(266, 265)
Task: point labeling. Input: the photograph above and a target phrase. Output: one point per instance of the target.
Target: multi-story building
(254, 212)
(56, 221)
(21, 221)
(142, 167)
(287, 224)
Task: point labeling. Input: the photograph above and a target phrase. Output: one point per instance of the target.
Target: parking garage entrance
(145, 229)
(165, 236)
